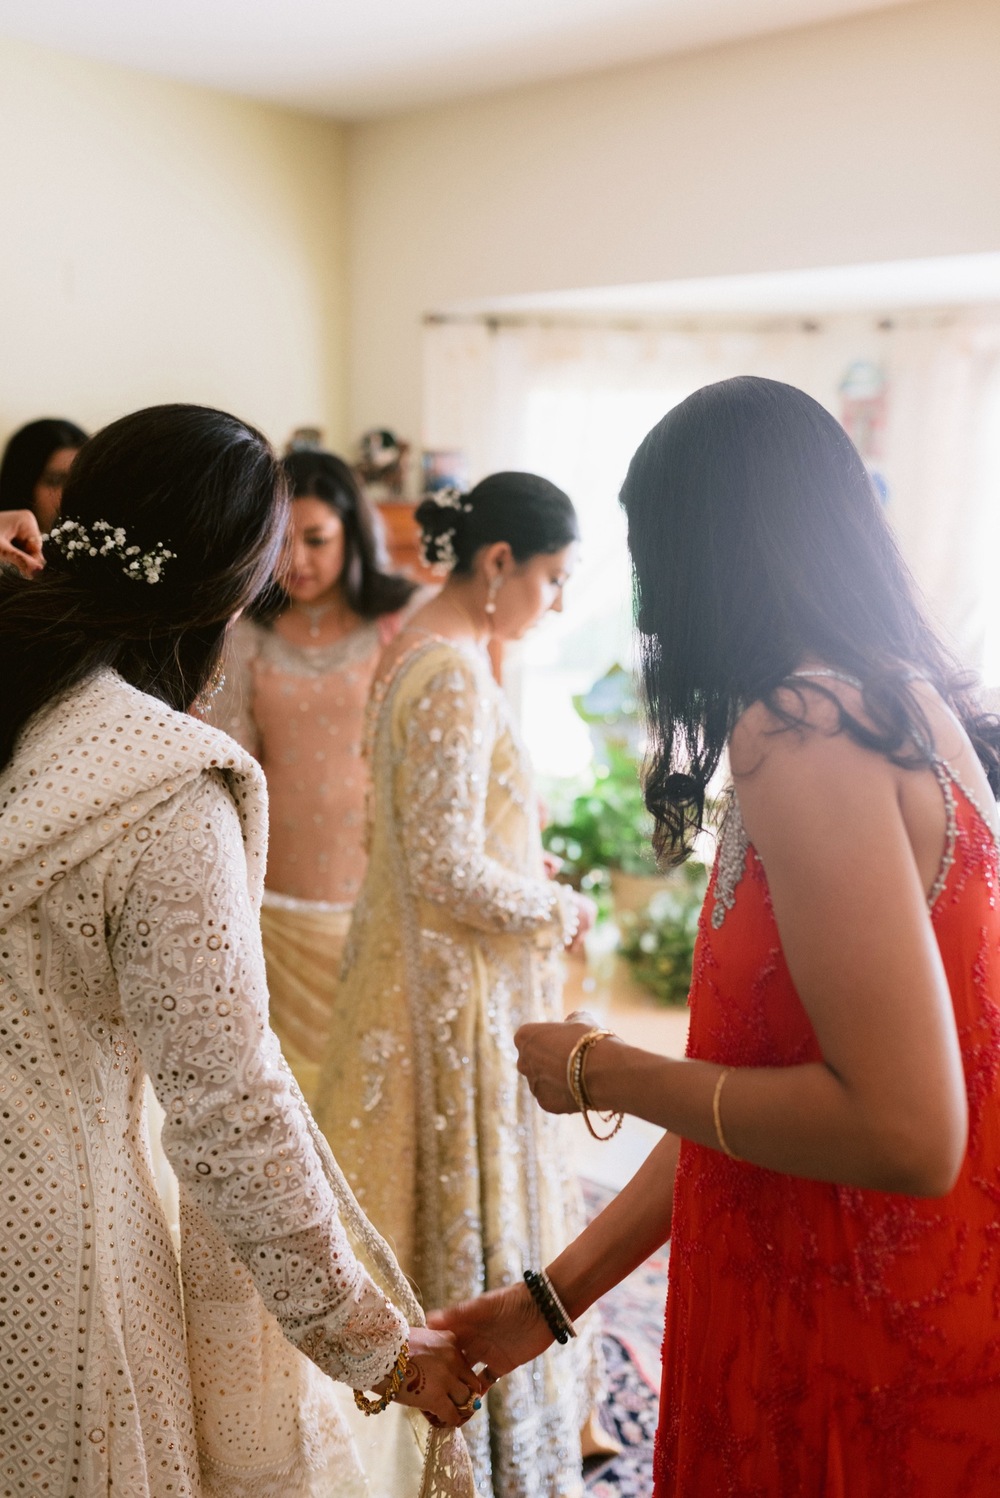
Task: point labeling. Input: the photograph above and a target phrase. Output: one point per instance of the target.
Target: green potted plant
(658, 942)
(602, 831)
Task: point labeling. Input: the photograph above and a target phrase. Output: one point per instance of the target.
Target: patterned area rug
(632, 1322)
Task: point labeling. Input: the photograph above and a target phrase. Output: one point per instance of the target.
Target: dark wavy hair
(531, 514)
(369, 586)
(758, 541)
(26, 455)
(201, 483)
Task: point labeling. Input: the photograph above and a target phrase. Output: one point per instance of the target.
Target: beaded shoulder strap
(948, 778)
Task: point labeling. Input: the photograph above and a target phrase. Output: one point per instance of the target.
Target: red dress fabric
(827, 1340)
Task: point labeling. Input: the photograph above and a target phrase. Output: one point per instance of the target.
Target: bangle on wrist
(717, 1114)
(399, 1370)
(554, 1313)
(576, 1082)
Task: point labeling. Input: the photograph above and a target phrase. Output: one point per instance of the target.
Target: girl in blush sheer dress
(457, 939)
(35, 465)
(131, 848)
(831, 1177)
(297, 678)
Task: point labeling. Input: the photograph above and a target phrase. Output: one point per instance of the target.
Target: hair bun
(441, 515)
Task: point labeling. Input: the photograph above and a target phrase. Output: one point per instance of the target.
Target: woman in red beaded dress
(831, 1175)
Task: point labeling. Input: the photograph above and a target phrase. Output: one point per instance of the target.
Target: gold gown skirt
(303, 947)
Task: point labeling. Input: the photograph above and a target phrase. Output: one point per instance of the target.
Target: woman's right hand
(586, 915)
(502, 1329)
(439, 1379)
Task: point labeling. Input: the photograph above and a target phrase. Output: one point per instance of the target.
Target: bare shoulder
(803, 718)
(798, 774)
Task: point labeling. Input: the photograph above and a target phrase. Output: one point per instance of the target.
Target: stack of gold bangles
(575, 1068)
(376, 1406)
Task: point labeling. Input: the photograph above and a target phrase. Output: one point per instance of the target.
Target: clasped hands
(439, 1379)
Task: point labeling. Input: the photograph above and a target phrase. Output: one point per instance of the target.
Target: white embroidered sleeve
(442, 777)
(191, 975)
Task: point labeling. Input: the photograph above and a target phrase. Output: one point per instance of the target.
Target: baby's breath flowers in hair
(437, 548)
(104, 539)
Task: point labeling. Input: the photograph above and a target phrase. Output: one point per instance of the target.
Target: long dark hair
(531, 514)
(26, 455)
(202, 484)
(758, 541)
(370, 588)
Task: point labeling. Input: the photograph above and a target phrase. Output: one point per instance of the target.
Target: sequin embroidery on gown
(456, 941)
(822, 1339)
(299, 710)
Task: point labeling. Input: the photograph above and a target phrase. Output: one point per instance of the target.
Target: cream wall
(867, 140)
(163, 242)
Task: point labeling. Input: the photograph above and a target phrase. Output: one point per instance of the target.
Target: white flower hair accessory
(437, 551)
(449, 498)
(104, 539)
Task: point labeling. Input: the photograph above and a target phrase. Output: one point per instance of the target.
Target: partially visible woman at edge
(36, 464)
(831, 1173)
(21, 541)
(131, 844)
(456, 941)
(296, 681)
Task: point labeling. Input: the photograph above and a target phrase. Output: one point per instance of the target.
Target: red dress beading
(828, 1340)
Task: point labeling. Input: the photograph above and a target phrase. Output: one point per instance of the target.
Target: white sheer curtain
(573, 402)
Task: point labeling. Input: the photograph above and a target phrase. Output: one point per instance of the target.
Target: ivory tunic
(132, 843)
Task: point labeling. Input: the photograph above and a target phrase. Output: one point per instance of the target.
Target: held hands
(502, 1329)
(439, 1379)
(21, 541)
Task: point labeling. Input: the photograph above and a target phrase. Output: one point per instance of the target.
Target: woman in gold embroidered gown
(296, 684)
(456, 941)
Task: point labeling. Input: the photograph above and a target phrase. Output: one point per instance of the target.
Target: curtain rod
(707, 321)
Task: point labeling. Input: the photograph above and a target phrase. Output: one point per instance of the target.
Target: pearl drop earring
(496, 583)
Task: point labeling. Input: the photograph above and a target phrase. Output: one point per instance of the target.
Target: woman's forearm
(800, 1120)
(631, 1227)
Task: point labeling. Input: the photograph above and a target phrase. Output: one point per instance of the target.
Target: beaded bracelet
(575, 1081)
(554, 1313)
(376, 1406)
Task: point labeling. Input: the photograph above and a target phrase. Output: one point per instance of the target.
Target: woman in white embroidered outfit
(456, 941)
(297, 678)
(132, 840)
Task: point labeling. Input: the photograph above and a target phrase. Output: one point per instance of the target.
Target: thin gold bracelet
(575, 1080)
(717, 1114)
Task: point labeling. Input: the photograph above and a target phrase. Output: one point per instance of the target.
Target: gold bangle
(575, 1066)
(717, 1114)
(376, 1406)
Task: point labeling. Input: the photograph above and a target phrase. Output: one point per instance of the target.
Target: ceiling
(951, 281)
(358, 59)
